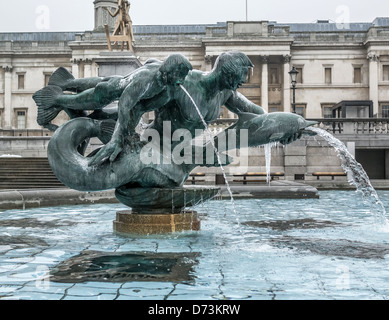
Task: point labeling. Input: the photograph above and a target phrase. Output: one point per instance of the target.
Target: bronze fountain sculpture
(182, 99)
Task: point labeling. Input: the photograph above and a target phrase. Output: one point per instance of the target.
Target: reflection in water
(35, 223)
(335, 247)
(283, 225)
(126, 266)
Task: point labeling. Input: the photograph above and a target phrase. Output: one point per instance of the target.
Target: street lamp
(293, 77)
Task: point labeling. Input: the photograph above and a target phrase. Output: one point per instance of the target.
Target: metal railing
(359, 126)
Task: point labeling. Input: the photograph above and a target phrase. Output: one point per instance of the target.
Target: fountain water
(211, 136)
(357, 176)
(289, 249)
(268, 147)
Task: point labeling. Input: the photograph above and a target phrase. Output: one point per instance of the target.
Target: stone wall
(28, 147)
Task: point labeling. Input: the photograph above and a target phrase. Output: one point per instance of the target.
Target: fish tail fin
(107, 127)
(61, 78)
(45, 99)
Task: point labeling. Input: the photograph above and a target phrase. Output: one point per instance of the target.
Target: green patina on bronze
(153, 87)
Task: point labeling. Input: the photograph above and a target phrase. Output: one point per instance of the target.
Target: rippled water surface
(327, 248)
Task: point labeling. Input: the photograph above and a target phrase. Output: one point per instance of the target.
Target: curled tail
(72, 168)
(45, 99)
(61, 78)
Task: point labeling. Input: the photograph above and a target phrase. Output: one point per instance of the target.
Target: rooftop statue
(123, 29)
(156, 86)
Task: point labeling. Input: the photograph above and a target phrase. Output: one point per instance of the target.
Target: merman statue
(156, 86)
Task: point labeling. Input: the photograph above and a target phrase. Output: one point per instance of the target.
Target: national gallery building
(339, 65)
(336, 62)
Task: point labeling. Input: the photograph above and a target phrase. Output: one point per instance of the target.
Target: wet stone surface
(22, 241)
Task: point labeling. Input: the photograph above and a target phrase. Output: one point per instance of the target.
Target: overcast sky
(78, 15)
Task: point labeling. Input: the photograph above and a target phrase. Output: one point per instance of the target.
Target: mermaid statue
(172, 90)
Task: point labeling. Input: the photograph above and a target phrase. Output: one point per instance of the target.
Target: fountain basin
(160, 210)
(164, 200)
(300, 249)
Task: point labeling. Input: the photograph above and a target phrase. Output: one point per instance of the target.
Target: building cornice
(377, 42)
(327, 46)
(252, 41)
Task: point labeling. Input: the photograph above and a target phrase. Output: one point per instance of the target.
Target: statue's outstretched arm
(265, 127)
(238, 103)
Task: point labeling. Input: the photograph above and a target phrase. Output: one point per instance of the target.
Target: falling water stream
(268, 147)
(211, 136)
(357, 176)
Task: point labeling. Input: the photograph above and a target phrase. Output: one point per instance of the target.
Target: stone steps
(27, 173)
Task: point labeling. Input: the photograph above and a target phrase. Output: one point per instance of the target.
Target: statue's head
(175, 69)
(232, 68)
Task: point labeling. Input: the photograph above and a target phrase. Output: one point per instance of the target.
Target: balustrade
(372, 126)
(357, 126)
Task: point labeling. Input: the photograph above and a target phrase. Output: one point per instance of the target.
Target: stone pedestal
(160, 210)
(133, 223)
(112, 63)
(117, 63)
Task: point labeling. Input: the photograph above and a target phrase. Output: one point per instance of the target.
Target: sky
(78, 15)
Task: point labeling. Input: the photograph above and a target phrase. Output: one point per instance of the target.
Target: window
(328, 75)
(300, 75)
(224, 113)
(357, 75)
(327, 110)
(301, 109)
(248, 79)
(385, 73)
(20, 81)
(1, 119)
(274, 109)
(21, 120)
(47, 78)
(273, 76)
(385, 111)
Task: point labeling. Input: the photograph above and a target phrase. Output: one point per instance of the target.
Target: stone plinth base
(117, 63)
(134, 223)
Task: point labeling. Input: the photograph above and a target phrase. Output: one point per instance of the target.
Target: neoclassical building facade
(335, 62)
(339, 65)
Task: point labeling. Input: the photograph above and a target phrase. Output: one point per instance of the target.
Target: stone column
(373, 80)
(7, 97)
(88, 68)
(286, 97)
(265, 84)
(76, 68)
